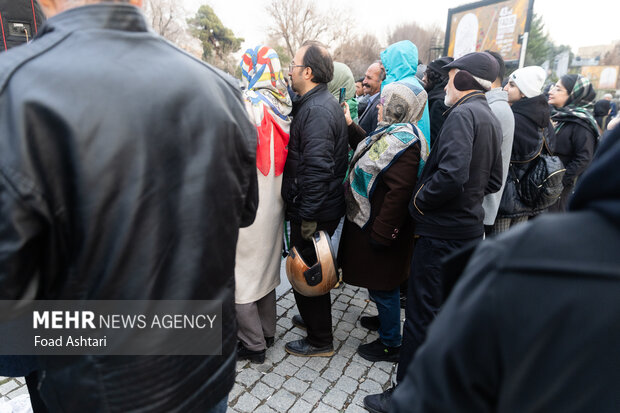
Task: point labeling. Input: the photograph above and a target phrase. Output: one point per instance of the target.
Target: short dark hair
(319, 60)
(382, 74)
(500, 62)
(360, 80)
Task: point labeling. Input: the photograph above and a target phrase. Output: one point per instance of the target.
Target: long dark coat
(390, 225)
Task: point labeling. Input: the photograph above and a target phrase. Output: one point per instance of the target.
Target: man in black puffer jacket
(312, 183)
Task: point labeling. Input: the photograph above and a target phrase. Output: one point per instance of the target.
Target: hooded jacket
(400, 61)
(113, 189)
(465, 164)
(533, 323)
(531, 120)
(316, 164)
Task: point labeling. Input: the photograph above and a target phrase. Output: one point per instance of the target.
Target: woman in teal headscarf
(400, 61)
(377, 240)
(343, 78)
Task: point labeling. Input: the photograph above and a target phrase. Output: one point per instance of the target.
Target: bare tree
(425, 38)
(295, 21)
(358, 53)
(168, 19)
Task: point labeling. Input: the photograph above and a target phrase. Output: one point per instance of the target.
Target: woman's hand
(347, 113)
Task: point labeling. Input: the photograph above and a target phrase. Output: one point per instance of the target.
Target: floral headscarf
(403, 106)
(271, 105)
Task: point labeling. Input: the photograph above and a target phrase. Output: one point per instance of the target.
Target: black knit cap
(438, 64)
(479, 64)
(568, 81)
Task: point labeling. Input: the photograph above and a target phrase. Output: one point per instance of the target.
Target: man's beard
(428, 86)
(445, 101)
(294, 87)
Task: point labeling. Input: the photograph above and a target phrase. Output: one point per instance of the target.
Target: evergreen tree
(218, 41)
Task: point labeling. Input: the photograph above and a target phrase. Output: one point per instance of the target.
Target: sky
(567, 21)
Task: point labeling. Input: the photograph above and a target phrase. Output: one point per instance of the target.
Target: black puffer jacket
(316, 164)
(465, 164)
(116, 183)
(531, 120)
(436, 109)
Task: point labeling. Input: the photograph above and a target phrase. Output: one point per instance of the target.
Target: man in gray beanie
(464, 165)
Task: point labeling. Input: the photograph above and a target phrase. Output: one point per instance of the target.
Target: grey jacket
(498, 101)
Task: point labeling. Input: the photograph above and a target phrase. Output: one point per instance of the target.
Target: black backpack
(541, 185)
(20, 20)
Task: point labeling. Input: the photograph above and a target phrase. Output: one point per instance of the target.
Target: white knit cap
(529, 80)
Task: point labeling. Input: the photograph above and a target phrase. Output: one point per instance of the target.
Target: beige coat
(259, 248)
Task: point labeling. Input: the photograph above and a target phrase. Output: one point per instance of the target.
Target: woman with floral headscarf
(572, 100)
(377, 240)
(257, 269)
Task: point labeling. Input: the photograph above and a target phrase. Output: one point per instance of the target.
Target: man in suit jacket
(372, 87)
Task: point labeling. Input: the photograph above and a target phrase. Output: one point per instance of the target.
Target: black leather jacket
(126, 169)
(312, 186)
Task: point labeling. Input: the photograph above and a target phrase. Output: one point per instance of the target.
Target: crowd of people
(193, 189)
(434, 167)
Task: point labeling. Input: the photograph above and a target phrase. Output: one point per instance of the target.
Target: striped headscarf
(578, 107)
(269, 105)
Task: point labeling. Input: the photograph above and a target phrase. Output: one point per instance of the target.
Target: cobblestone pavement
(11, 388)
(286, 383)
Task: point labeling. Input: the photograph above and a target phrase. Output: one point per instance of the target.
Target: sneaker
(379, 403)
(377, 351)
(299, 322)
(371, 323)
(253, 356)
(304, 349)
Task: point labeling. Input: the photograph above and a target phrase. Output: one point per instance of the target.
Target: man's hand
(308, 228)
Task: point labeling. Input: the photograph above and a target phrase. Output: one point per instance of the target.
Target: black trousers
(315, 311)
(425, 293)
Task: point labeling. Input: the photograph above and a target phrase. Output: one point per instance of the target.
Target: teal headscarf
(400, 61)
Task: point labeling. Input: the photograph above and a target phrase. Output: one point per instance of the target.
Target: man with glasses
(312, 184)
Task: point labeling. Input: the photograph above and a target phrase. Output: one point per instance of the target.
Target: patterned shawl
(269, 105)
(403, 105)
(578, 107)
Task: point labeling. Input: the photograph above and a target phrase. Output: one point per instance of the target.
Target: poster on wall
(602, 77)
(488, 25)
